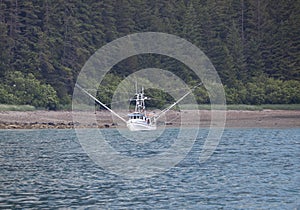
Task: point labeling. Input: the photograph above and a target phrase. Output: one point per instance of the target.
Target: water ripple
(251, 169)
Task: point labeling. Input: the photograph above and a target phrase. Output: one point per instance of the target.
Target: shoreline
(103, 119)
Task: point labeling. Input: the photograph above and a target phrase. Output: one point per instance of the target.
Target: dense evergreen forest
(253, 44)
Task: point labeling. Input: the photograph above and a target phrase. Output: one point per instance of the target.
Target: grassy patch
(228, 107)
(281, 106)
(7, 107)
(244, 107)
(247, 107)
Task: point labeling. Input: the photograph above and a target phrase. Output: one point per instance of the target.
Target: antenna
(136, 87)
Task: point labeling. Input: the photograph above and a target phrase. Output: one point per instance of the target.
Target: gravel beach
(103, 119)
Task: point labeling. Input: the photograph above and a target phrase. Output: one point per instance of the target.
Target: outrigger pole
(176, 102)
(99, 102)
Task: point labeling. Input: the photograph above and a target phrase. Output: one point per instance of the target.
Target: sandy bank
(64, 119)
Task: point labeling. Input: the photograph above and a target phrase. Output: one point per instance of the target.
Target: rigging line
(170, 107)
(102, 104)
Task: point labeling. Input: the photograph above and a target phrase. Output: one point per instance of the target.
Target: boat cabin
(137, 115)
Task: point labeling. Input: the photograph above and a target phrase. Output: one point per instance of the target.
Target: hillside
(254, 45)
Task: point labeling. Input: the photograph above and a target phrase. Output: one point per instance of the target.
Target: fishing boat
(139, 120)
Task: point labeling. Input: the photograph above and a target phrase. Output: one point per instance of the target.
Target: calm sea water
(251, 169)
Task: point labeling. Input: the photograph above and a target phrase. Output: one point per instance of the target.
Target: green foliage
(201, 95)
(264, 90)
(107, 87)
(49, 42)
(158, 98)
(26, 89)
(6, 97)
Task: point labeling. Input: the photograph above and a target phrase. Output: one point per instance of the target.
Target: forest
(253, 44)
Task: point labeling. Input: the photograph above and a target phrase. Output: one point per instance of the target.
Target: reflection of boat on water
(139, 119)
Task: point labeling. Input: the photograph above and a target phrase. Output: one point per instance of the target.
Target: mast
(140, 101)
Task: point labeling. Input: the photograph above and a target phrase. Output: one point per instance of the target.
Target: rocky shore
(64, 119)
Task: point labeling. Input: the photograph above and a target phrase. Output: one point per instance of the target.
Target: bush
(264, 90)
(6, 97)
(26, 89)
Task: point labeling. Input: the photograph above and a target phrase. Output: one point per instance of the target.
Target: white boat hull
(140, 125)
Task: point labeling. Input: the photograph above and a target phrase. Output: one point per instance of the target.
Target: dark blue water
(251, 169)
